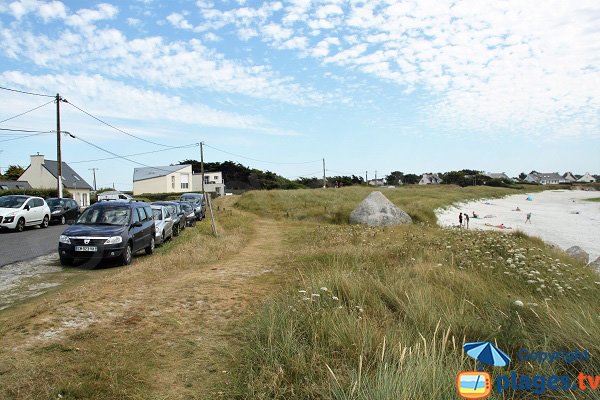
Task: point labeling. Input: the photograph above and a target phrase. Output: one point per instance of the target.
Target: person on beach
(528, 218)
(466, 220)
(460, 220)
(475, 215)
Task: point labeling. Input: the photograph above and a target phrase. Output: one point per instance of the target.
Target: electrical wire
(117, 155)
(23, 113)
(21, 91)
(136, 154)
(262, 161)
(114, 127)
(26, 136)
(25, 130)
(304, 175)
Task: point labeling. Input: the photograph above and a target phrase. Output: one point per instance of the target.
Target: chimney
(37, 160)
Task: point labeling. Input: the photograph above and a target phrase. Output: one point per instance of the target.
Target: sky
(370, 86)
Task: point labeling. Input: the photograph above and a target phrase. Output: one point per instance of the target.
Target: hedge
(44, 193)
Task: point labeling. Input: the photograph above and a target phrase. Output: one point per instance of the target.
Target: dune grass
(382, 313)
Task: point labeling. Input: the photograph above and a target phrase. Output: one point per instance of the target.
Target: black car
(63, 210)
(189, 212)
(179, 217)
(112, 229)
(198, 202)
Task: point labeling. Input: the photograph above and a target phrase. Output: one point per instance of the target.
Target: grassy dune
(382, 313)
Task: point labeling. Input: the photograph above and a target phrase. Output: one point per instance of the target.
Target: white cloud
(52, 10)
(134, 22)
(179, 21)
(84, 18)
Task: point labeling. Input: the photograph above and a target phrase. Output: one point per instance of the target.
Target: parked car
(109, 229)
(19, 211)
(176, 213)
(63, 210)
(113, 195)
(198, 202)
(163, 223)
(190, 213)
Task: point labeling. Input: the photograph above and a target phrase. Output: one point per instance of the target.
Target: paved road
(30, 243)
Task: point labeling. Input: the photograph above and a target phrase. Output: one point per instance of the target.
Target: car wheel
(127, 255)
(66, 261)
(45, 222)
(162, 238)
(63, 220)
(150, 249)
(20, 225)
(175, 231)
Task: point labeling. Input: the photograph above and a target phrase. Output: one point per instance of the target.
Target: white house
(430, 179)
(213, 182)
(498, 175)
(165, 179)
(545, 178)
(587, 178)
(569, 177)
(175, 179)
(376, 182)
(43, 174)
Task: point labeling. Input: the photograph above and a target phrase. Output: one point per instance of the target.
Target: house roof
(14, 185)
(71, 180)
(140, 174)
(497, 175)
(550, 176)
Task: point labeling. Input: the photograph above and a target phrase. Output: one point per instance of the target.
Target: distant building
(498, 175)
(176, 179)
(587, 178)
(569, 177)
(430, 179)
(545, 178)
(376, 182)
(14, 185)
(43, 174)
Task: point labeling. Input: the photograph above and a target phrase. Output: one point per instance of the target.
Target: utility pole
(367, 177)
(1, 162)
(324, 179)
(58, 150)
(202, 164)
(375, 176)
(94, 170)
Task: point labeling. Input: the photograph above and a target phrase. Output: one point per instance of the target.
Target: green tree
(411, 179)
(394, 178)
(13, 172)
(522, 176)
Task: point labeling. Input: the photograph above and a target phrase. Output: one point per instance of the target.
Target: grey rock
(595, 264)
(377, 210)
(578, 253)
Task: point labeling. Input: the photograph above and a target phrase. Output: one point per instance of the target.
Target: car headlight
(64, 239)
(114, 240)
(158, 231)
(56, 212)
(10, 219)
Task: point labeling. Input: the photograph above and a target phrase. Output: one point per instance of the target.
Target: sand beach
(563, 218)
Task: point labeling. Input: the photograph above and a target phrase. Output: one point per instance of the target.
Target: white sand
(554, 217)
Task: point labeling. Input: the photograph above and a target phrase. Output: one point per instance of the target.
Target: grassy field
(382, 313)
(292, 302)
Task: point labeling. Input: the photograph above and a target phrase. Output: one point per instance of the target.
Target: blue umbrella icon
(486, 353)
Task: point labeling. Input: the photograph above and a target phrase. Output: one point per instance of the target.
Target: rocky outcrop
(578, 253)
(595, 264)
(377, 210)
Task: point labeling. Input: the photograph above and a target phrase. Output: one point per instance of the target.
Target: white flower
(315, 295)
(518, 303)
(324, 289)
(335, 298)
(301, 291)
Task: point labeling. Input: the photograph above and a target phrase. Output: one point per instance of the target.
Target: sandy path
(190, 313)
(563, 218)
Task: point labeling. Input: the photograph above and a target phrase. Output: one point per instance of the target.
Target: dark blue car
(109, 230)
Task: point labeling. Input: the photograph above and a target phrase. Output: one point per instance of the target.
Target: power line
(26, 136)
(304, 175)
(23, 113)
(114, 127)
(25, 130)
(117, 155)
(23, 92)
(136, 154)
(263, 161)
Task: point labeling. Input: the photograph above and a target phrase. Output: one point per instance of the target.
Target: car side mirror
(26, 208)
(70, 222)
(137, 224)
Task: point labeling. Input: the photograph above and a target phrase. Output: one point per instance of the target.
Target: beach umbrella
(486, 353)
(529, 198)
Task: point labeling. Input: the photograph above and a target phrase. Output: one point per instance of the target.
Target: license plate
(86, 248)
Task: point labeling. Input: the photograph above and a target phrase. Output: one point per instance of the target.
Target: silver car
(163, 221)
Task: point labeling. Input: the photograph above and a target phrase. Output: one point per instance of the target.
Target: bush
(44, 193)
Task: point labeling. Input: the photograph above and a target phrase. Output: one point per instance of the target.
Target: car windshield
(172, 208)
(12, 201)
(105, 216)
(186, 208)
(55, 203)
(157, 214)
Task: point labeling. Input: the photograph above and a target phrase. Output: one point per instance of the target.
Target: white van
(113, 195)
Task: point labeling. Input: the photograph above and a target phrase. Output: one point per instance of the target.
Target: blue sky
(382, 85)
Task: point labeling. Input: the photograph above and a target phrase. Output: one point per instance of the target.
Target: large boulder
(595, 264)
(377, 210)
(578, 253)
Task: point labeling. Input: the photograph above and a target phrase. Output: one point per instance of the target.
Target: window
(84, 201)
(184, 181)
(172, 182)
(148, 212)
(38, 202)
(136, 217)
(3, 187)
(216, 178)
(142, 213)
